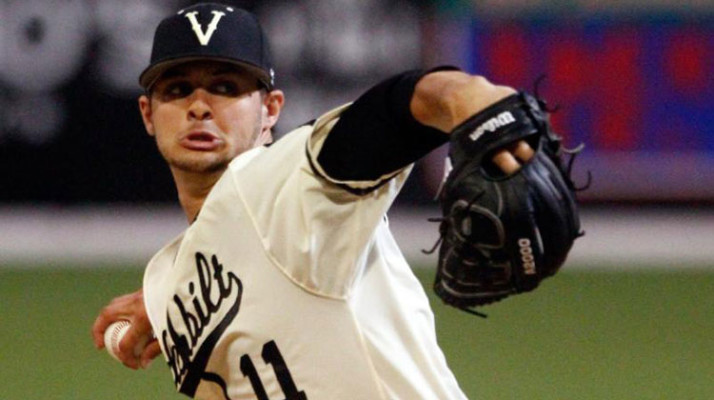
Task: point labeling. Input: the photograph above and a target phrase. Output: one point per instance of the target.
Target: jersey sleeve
(378, 135)
(355, 184)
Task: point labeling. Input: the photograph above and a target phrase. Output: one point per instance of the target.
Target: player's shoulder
(292, 142)
(246, 157)
(273, 152)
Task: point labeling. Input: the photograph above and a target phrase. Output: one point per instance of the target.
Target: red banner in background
(638, 93)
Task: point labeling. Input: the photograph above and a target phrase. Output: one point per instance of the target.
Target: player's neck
(192, 190)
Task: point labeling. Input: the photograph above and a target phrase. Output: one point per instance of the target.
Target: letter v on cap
(204, 38)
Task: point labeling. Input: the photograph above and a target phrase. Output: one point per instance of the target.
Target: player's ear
(272, 105)
(145, 109)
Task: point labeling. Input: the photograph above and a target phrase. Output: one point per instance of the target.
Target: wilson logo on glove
(492, 124)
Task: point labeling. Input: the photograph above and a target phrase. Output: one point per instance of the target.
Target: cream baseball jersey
(288, 286)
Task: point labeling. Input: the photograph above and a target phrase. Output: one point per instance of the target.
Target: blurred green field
(583, 335)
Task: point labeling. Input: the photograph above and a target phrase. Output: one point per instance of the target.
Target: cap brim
(151, 74)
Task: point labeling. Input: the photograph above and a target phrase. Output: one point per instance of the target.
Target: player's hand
(510, 159)
(129, 307)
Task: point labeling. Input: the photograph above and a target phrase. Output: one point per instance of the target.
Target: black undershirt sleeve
(377, 134)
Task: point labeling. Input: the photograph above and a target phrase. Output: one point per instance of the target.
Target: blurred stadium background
(85, 199)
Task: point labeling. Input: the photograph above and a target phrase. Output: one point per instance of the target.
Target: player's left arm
(445, 99)
(403, 118)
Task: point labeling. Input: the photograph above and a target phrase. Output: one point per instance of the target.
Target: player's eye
(225, 88)
(178, 89)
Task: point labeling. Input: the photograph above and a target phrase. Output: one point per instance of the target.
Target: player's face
(204, 114)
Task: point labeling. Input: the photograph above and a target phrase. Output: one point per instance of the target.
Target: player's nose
(199, 106)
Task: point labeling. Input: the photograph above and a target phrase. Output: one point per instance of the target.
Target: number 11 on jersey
(271, 355)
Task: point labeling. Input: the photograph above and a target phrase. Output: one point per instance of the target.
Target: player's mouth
(201, 141)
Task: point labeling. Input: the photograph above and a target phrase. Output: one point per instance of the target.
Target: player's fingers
(151, 351)
(106, 317)
(140, 321)
(126, 352)
(98, 329)
(122, 307)
(522, 150)
(131, 337)
(129, 361)
(134, 344)
(506, 161)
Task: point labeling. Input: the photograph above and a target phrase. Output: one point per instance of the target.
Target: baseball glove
(502, 234)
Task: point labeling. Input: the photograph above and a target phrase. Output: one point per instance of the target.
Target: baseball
(113, 336)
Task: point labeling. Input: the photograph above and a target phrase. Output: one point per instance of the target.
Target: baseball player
(287, 283)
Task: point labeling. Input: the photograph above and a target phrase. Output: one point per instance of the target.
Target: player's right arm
(129, 307)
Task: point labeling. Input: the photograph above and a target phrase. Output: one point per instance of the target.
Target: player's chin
(204, 162)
